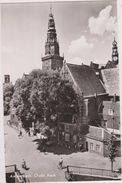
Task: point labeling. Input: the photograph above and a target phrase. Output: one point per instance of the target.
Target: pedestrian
(20, 133)
(61, 162)
(29, 132)
(24, 164)
(68, 169)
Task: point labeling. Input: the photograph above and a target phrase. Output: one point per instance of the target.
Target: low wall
(76, 177)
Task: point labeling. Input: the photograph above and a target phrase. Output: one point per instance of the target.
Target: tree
(21, 102)
(112, 151)
(84, 129)
(52, 97)
(45, 130)
(8, 90)
(44, 97)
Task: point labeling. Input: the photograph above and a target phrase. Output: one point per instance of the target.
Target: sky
(85, 31)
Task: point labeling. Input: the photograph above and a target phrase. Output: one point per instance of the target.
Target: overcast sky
(85, 31)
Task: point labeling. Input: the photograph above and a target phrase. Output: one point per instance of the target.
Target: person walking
(24, 164)
(29, 132)
(61, 163)
(20, 133)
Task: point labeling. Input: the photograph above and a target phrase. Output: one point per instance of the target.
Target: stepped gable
(111, 80)
(86, 80)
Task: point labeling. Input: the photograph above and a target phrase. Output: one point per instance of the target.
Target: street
(43, 167)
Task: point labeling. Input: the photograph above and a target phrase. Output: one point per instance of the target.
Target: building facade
(94, 88)
(85, 82)
(98, 141)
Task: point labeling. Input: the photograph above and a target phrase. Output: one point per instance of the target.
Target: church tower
(115, 57)
(52, 59)
(7, 79)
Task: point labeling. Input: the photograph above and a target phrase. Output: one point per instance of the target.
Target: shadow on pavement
(55, 149)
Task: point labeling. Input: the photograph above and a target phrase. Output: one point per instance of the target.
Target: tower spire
(115, 58)
(50, 8)
(52, 59)
(52, 45)
(114, 39)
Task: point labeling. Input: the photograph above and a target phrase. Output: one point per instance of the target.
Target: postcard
(61, 93)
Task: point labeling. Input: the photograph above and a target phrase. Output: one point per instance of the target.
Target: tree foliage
(112, 150)
(20, 101)
(84, 129)
(8, 90)
(44, 97)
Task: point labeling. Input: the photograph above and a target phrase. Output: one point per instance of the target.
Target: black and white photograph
(61, 93)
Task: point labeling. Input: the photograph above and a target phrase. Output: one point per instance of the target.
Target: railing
(91, 171)
(11, 168)
(20, 176)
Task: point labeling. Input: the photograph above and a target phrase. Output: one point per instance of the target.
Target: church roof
(111, 80)
(86, 80)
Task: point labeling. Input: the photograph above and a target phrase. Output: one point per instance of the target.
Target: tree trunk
(112, 166)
